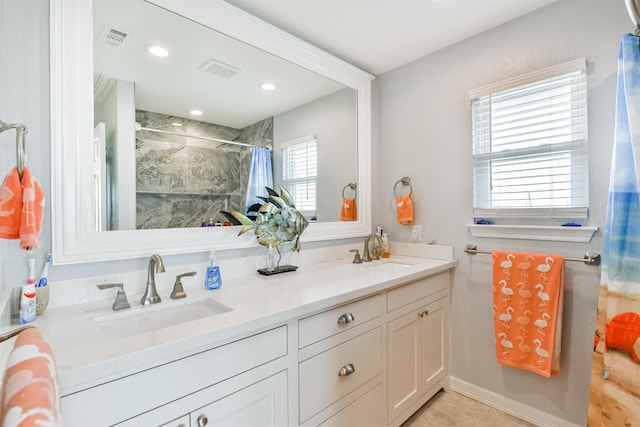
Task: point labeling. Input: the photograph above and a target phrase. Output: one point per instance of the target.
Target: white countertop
(86, 357)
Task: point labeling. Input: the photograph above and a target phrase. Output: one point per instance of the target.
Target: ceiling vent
(219, 68)
(102, 85)
(113, 36)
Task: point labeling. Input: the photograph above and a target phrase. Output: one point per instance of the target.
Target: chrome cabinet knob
(202, 420)
(346, 370)
(345, 318)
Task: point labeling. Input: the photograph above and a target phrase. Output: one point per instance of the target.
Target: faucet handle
(178, 290)
(121, 301)
(356, 258)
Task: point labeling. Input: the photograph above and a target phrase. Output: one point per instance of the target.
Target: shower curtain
(615, 376)
(260, 175)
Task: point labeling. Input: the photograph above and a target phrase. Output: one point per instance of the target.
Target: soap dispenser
(212, 279)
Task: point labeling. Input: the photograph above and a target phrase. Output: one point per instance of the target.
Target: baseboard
(504, 404)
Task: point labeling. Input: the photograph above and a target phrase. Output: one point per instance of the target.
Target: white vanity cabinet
(242, 383)
(367, 360)
(340, 365)
(417, 345)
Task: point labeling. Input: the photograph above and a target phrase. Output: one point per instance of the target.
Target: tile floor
(451, 409)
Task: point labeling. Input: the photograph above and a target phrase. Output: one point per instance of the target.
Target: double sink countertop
(93, 344)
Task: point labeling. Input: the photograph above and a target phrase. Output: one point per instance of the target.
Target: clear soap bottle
(385, 246)
(212, 279)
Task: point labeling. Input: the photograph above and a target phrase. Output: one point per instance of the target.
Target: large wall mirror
(136, 172)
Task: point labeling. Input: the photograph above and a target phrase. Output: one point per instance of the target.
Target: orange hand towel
(348, 212)
(30, 394)
(528, 293)
(10, 206)
(32, 207)
(404, 209)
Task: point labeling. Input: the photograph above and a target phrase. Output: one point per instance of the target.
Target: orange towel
(30, 394)
(10, 206)
(32, 207)
(348, 212)
(404, 209)
(528, 292)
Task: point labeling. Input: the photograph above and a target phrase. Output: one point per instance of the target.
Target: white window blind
(299, 172)
(530, 145)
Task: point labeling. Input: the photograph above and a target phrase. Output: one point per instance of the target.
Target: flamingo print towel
(30, 395)
(10, 206)
(21, 206)
(528, 291)
(32, 206)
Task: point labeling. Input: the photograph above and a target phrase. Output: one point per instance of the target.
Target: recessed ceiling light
(267, 86)
(158, 51)
(195, 112)
(178, 124)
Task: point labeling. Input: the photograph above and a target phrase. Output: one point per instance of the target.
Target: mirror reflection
(190, 130)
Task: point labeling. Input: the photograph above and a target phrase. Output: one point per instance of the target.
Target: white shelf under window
(533, 232)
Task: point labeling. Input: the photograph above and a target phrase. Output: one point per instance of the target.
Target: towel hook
(21, 152)
(353, 186)
(405, 181)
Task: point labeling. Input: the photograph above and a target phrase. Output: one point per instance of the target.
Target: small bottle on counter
(385, 246)
(28, 296)
(212, 279)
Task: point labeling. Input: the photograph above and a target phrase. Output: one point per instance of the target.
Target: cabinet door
(403, 358)
(434, 336)
(261, 404)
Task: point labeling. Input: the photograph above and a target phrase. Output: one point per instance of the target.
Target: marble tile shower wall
(182, 181)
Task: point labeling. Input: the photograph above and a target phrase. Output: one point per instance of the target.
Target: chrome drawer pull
(202, 420)
(346, 318)
(347, 369)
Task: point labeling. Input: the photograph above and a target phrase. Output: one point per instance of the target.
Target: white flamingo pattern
(524, 284)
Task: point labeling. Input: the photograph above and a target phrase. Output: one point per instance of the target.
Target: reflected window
(299, 173)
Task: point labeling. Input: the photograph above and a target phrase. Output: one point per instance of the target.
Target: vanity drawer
(407, 294)
(323, 325)
(323, 380)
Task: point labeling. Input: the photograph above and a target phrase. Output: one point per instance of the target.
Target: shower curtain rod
(634, 13)
(206, 138)
(590, 258)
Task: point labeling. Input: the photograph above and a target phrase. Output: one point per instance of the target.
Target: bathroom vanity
(333, 343)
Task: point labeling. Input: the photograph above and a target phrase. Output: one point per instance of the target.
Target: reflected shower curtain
(615, 373)
(260, 175)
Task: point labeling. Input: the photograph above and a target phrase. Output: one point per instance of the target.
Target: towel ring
(405, 181)
(21, 151)
(353, 186)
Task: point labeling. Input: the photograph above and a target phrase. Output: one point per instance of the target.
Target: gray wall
(423, 115)
(331, 119)
(24, 98)
(421, 130)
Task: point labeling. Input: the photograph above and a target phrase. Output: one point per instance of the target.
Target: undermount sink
(146, 319)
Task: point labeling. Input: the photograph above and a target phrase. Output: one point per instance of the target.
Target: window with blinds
(530, 145)
(299, 173)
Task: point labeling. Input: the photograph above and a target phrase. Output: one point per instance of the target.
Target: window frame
(522, 214)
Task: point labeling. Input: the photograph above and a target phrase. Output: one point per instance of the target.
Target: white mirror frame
(75, 239)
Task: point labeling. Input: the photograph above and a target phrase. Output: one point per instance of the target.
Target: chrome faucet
(150, 294)
(366, 257)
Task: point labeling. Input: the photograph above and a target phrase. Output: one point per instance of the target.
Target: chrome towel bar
(590, 258)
